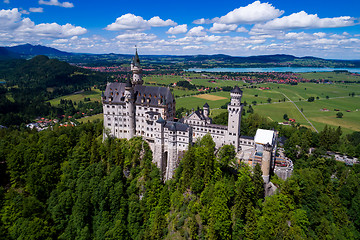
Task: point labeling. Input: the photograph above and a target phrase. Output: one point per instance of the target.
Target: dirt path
(301, 112)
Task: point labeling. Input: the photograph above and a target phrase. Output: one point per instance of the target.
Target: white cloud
(298, 36)
(38, 10)
(136, 36)
(241, 29)
(61, 40)
(203, 21)
(24, 12)
(338, 36)
(197, 31)
(319, 34)
(10, 19)
(7, 1)
(303, 20)
(222, 28)
(178, 29)
(57, 3)
(14, 28)
(158, 22)
(253, 13)
(130, 21)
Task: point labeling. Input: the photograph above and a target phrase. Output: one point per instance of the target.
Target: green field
(94, 95)
(338, 98)
(164, 79)
(331, 76)
(99, 116)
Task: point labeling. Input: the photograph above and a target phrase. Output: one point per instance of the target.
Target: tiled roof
(154, 96)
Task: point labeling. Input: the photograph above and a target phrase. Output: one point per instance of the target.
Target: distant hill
(6, 54)
(175, 61)
(33, 50)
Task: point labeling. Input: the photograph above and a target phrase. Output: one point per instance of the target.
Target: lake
(274, 69)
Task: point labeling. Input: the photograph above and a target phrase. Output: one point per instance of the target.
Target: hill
(178, 61)
(30, 83)
(33, 50)
(5, 54)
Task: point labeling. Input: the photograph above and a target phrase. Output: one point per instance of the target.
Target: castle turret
(266, 162)
(136, 70)
(234, 122)
(206, 109)
(130, 108)
(159, 150)
(172, 151)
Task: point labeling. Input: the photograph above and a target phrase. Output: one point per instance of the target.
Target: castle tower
(266, 162)
(130, 108)
(234, 121)
(160, 157)
(172, 153)
(206, 109)
(136, 70)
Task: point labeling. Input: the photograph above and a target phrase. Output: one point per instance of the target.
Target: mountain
(177, 61)
(6, 54)
(33, 50)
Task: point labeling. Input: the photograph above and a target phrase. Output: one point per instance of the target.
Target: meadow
(94, 95)
(92, 118)
(331, 76)
(329, 96)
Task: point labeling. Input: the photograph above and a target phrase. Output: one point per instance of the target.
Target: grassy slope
(99, 116)
(94, 95)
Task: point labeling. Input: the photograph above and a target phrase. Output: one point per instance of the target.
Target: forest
(67, 183)
(29, 84)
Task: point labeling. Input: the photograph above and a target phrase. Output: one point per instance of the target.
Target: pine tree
(258, 181)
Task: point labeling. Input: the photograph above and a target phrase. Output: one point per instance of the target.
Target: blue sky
(328, 29)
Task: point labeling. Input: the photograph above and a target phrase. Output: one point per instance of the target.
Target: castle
(133, 109)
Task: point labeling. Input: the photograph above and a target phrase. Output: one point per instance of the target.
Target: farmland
(327, 96)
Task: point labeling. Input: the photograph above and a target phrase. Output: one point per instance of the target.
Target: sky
(328, 29)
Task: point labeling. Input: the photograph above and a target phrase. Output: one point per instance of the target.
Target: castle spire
(136, 58)
(136, 70)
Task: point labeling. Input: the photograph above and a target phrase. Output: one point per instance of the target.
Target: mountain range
(218, 60)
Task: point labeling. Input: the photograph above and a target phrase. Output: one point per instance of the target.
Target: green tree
(219, 223)
(339, 115)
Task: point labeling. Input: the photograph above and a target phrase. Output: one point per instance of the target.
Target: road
(301, 112)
